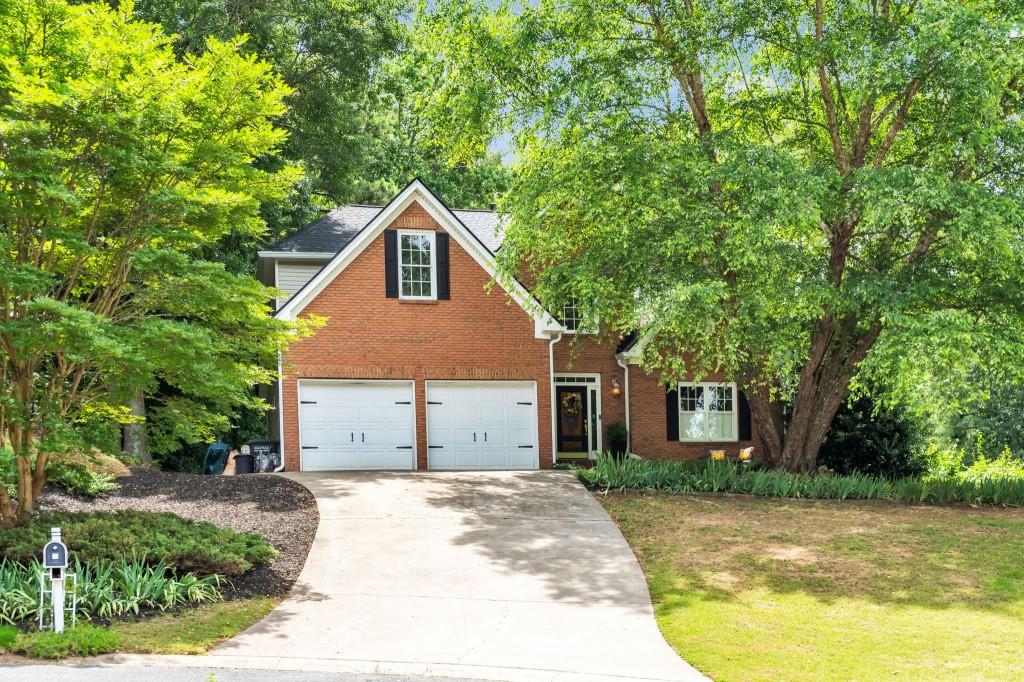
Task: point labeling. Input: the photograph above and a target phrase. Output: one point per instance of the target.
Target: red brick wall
(475, 335)
(649, 428)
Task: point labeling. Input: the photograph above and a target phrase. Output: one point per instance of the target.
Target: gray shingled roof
(334, 230)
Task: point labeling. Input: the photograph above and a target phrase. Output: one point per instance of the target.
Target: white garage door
(353, 425)
(482, 425)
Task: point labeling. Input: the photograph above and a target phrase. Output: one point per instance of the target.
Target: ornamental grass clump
(107, 590)
(1002, 485)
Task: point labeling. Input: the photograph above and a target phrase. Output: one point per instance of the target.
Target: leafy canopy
(781, 188)
(118, 164)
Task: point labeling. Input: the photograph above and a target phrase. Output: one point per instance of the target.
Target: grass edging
(194, 630)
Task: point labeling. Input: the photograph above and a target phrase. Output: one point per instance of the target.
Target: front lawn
(753, 589)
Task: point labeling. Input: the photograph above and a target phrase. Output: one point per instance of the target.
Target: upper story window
(572, 319)
(417, 272)
(707, 412)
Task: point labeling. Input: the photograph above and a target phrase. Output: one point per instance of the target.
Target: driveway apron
(504, 575)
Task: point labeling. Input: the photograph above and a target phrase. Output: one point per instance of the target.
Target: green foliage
(106, 590)
(875, 440)
(120, 165)
(999, 485)
(8, 633)
(154, 538)
(82, 640)
(618, 438)
(79, 475)
(753, 194)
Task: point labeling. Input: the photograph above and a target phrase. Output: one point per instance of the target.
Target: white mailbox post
(55, 560)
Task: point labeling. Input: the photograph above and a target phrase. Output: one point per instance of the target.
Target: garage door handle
(362, 437)
(351, 437)
(522, 403)
(526, 446)
(474, 436)
(435, 447)
(403, 447)
(310, 447)
(485, 436)
(307, 402)
(403, 402)
(434, 402)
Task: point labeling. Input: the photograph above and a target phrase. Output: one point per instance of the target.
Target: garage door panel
(481, 425)
(353, 425)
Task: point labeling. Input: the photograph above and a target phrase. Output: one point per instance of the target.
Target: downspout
(551, 378)
(280, 410)
(625, 393)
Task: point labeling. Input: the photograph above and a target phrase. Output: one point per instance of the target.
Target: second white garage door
(356, 425)
(482, 425)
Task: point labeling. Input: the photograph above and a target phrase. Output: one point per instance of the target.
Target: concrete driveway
(501, 576)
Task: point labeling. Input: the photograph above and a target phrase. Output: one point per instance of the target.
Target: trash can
(267, 455)
(244, 464)
(216, 458)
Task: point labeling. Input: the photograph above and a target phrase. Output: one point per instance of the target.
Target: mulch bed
(279, 509)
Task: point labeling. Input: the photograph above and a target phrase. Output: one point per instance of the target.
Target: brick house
(425, 362)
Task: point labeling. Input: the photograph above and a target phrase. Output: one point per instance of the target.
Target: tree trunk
(133, 436)
(837, 348)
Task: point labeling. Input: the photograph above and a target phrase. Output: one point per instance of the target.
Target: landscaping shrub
(82, 640)
(869, 441)
(85, 472)
(107, 537)
(1000, 484)
(8, 633)
(107, 590)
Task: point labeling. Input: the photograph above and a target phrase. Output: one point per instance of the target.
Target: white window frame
(432, 236)
(582, 329)
(705, 385)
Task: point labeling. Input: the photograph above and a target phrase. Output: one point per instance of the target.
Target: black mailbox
(55, 554)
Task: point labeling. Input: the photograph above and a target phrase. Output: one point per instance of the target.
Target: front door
(573, 419)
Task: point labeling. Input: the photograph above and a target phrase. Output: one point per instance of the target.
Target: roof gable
(331, 232)
(472, 243)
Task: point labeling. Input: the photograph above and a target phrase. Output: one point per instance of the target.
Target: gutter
(625, 392)
(551, 381)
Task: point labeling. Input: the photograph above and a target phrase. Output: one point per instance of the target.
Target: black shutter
(443, 280)
(672, 413)
(744, 417)
(391, 263)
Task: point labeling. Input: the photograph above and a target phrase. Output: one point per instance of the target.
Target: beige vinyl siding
(292, 276)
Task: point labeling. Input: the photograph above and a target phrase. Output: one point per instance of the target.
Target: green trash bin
(216, 458)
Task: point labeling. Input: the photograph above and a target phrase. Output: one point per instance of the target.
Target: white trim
(544, 324)
(298, 410)
(494, 382)
(593, 385)
(280, 410)
(735, 410)
(625, 390)
(551, 398)
(297, 255)
(432, 238)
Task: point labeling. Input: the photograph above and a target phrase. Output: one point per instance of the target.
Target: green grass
(83, 640)
(8, 633)
(748, 589)
(194, 631)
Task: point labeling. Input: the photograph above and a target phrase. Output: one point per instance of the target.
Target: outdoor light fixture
(615, 387)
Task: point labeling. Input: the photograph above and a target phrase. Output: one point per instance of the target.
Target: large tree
(777, 188)
(118, 163)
